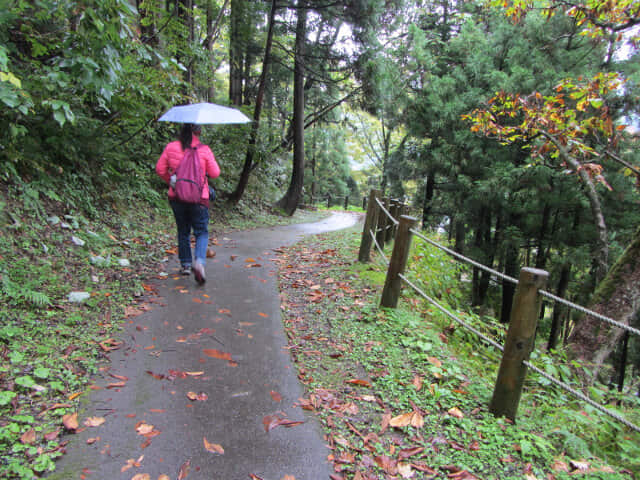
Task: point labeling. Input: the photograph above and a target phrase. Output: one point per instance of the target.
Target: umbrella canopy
(204, 113)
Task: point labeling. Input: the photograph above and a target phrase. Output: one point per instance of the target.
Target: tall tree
(291, 199)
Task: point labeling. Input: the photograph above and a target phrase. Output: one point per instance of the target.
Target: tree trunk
(428, 197)
(147, 25)
(289, 203)
(248, 161)
(617, 297)
(558, 309)
(236, 51)
(508, 288)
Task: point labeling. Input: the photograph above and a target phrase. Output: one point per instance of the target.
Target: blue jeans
(191, 216)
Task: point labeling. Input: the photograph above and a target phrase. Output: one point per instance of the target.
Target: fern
(21, 294)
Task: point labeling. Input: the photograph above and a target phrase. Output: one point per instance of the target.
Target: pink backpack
(189, 177)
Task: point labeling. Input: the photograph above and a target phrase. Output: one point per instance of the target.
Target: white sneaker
(198, 272)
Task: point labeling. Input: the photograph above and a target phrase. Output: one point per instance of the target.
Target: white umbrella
(204, 113)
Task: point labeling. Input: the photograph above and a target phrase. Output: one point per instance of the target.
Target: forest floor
(399, 394)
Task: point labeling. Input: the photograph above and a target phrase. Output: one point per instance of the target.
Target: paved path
(175, 348)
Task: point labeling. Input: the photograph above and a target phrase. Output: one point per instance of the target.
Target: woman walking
(190, 216)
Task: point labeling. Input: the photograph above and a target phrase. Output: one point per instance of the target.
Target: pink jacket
(171, 158)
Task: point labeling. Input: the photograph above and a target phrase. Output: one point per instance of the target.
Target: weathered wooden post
(329, 201)
(519, 343)
(398, 262)
(391, 227)
(346, 202)
(364, 203)
(370, 222)
(381, 232)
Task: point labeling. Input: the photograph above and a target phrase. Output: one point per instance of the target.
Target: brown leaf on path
(157, 376)
(212, 447)
(120, 377)
(28, 437)
(288, 477)
(94, 421)
(363, 383)
(184, 470)
(462, 475)
(92, 440)
(254, 477)
(141, 476)
(52, 435)
(276, 396)
(146, 443)
(214, 353)
(70, 421)
(164, 477)
(201, 397)
(144, 428)
(405, 470)
(117, 385)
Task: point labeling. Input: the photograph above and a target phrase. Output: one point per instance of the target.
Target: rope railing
(459, 256)
(586, 311)
(381, 206)
(582, 396)
(379, 248)
(544, 293)
(534, 282)
(452, 316)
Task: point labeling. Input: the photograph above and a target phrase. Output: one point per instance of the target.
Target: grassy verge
(69, 277)
(404, 393)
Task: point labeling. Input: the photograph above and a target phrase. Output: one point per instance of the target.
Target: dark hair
(185, 136)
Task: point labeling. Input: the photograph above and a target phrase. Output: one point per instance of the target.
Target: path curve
(230, 329)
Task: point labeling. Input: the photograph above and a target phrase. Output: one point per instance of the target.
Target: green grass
(414, 359)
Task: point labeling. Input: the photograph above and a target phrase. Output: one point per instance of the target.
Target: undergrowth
(367, 369)
(61, 234)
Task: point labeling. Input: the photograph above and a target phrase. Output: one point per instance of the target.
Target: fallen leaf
(141, 476)
(417, 382)
(276, 396)
(94, 421)
(212, 447)
(164, 477)
(51, 435)
(455, 412)
(409, 452)
(288, 477)
(144, 428)
(92, 440)
(213, 353)
(201, 397)
(254, 477)
(70, 421)
(262, 314)
(73, 396)
(184, 470)
(28, 437)
(363, 383)
(414, 419)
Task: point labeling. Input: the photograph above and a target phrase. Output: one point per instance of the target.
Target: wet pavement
(202, 375)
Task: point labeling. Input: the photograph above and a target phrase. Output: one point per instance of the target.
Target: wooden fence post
(398, 262)
(329, 201)
(383, 221)
(519, 343)
(394, 211)
(364, 203)
(346, 202)
(370, 221)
